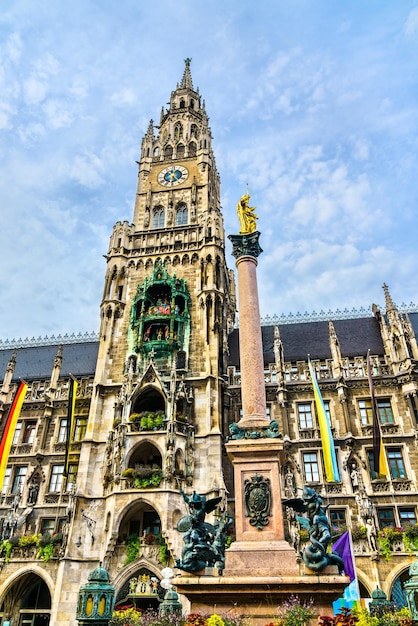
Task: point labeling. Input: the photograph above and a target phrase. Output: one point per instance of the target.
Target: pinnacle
(186, 81)
(390, 305)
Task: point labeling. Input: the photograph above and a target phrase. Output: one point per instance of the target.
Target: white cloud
(124, 97)
(35, 90)
(58, 113)
(411, 23)
(86, 170)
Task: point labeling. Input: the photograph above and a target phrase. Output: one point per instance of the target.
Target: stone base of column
(263, 558)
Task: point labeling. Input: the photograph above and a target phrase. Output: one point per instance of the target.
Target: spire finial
(390, 305)
(186, 81)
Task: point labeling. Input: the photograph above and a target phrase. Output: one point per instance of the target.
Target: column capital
(245, 245)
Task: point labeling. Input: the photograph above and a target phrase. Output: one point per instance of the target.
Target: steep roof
(356, 336)
(35, 363)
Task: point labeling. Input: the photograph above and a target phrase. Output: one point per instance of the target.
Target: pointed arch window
(158, 217)
(168, 151)
(192, 148)
(182, 215)
(194, 131)
(180, 151)
(178, 131)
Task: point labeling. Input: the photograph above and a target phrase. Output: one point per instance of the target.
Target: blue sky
(314, 103)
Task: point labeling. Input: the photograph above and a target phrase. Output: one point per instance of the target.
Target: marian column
(255, 446)
(246, 249)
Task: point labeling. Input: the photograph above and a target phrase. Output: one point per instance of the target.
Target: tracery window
(192, 148)
(178, 131)
(180, 151)
(182, 215)
(194, 131)
(158, 217)
(168, 152)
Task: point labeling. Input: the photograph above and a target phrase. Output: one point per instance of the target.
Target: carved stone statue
(204, 542)
(247, 217)
(315, 555)
(371, 535)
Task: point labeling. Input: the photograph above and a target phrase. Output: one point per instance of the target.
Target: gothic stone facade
(159, 388)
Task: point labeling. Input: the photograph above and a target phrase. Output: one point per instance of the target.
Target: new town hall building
(159, 387)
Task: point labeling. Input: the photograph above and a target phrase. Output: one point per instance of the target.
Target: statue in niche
(204, 542)
(289, 484)
(247, 217)
(371, 535)
(354, 477)
(33, 492)
(315, 555)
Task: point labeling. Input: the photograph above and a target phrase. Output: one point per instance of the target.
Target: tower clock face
(173, 175)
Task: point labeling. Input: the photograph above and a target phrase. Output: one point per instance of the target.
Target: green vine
(46, 552)
(386, 538)
(164, 552)
(133, 549)
(6, 548)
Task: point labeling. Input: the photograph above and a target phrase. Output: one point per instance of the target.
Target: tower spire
(390, 305)
(186, 81)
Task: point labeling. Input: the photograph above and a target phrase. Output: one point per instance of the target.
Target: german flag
(9, 429)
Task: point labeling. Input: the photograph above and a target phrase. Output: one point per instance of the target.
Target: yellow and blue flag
(330, 459)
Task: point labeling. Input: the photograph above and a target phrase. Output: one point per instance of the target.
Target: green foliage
(164, 552)
(149, 481)
(128, 473)
(384, 617)
(293, 612)
(133, 548)
(159, 419)
(386, 538)
(28, 540)
(46, 552)
(358, 532)
(410, 537)
(6, 548)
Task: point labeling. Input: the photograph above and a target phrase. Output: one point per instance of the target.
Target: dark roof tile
(35, 363)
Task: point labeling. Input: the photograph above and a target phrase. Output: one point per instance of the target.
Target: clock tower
(155, 423)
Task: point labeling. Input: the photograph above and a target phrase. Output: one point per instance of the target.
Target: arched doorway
(141, 591)
(28, 602)
(398, 595)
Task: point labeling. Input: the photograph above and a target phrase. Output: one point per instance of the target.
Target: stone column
(246, 249)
